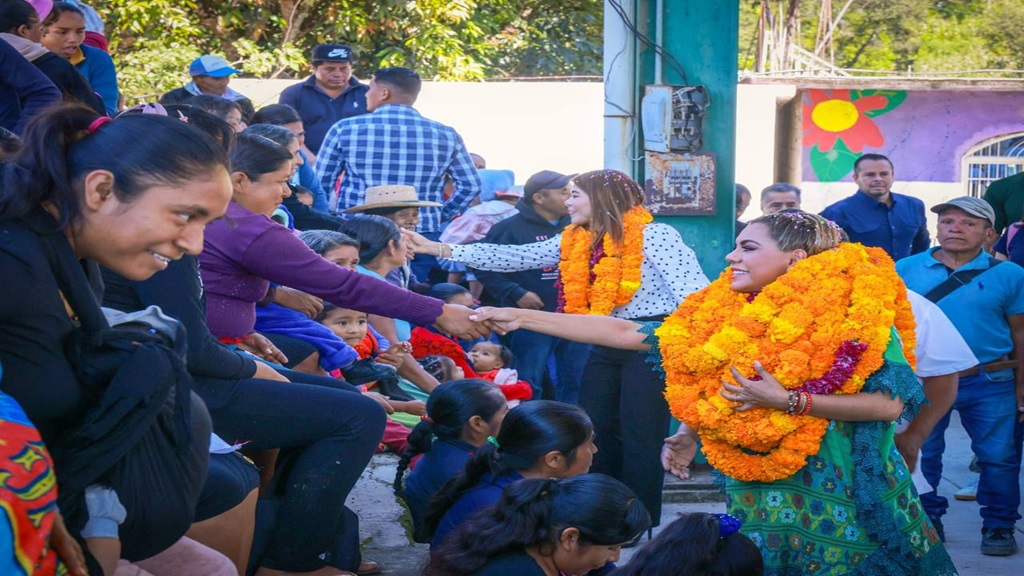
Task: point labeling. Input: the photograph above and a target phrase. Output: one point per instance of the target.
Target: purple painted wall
(926, 133)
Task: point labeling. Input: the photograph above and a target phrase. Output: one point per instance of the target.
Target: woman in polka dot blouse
(620, 391)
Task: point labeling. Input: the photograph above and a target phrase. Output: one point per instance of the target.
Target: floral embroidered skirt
(847, 511)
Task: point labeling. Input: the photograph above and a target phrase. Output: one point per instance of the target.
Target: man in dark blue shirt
(874, 216)
(329, 95)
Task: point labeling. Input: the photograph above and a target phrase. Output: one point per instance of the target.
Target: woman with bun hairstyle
(613, 260)
(539, 439)
(461, 415)
(793, 367)
(697, 544)
(545, 527)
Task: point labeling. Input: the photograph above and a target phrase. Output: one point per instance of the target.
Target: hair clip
(493, 441)
(98, 123)
(427, 419)
(727, 525)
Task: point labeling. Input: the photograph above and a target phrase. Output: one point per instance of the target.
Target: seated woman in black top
(545, 528)
(329, 429)
(132, 195)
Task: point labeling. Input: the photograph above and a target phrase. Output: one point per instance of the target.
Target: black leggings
(623, 394)
(329, 432)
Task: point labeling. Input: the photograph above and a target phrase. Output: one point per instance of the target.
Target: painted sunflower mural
(839, 124)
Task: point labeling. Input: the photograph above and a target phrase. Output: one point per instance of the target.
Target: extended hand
(393, 357)
(501, 320)
(258, 345)
(414, 407)
(299, 301)
(763, 393)
(530, 300)
(380, 399)
(909, 445)
(67, 548)
(456, 320)
(419, 244)
(677, 453)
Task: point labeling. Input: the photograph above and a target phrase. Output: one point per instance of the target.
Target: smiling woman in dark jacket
(131, 195)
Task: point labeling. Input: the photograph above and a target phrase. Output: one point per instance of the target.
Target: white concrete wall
(531, 126)
(525, 127)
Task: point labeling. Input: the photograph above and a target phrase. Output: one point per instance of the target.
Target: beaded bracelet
(794, 397)
(805, 404)
(801, 404)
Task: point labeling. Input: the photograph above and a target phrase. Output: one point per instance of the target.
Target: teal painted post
(703, 37)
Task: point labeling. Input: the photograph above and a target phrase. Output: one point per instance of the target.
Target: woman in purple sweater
(247, 250)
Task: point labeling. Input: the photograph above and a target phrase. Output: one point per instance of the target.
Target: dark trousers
(533, 350)
(623, 394)
(327, 433)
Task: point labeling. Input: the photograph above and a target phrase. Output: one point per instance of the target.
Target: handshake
(470, 324)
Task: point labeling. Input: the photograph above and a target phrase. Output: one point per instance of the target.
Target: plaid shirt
(395, 145)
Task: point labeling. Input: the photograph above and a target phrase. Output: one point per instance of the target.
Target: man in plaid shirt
(395, 145)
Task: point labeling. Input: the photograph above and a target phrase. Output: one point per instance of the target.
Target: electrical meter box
(673, 117)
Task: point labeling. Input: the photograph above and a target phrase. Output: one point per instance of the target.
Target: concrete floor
(385, 538)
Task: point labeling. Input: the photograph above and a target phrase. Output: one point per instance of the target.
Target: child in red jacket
(494, 362)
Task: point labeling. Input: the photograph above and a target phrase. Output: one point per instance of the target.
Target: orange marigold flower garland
(598, 287)
(799, 329)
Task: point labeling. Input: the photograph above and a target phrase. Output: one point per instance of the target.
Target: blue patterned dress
(852, 510)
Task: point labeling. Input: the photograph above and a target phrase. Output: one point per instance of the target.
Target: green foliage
(154, 40)
(907, 35)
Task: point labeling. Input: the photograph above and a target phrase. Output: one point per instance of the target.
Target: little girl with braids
(461, 415)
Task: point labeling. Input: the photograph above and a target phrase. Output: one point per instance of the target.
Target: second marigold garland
(595, 281)
(799, 328)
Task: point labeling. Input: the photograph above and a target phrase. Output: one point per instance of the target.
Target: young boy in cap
(330, 94)
(211, 76)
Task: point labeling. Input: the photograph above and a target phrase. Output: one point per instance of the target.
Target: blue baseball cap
(210, 65)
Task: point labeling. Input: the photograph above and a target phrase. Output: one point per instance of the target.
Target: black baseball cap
(546, 180)
(332, 53)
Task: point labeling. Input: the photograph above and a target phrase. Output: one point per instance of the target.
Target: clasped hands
(470, 324)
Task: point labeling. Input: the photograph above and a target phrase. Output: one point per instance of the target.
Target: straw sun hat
(392, 196)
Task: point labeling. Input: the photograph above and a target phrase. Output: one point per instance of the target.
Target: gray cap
(973, 206)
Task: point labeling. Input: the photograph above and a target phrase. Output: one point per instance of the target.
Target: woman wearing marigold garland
(613, 260)
(792, 368)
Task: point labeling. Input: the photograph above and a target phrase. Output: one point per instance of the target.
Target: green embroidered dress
(852, 510)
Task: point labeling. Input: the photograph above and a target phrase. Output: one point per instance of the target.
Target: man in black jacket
(542, 215)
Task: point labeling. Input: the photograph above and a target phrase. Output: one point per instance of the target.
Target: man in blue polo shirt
(984, 299)
(874, 216)
(329, 95)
